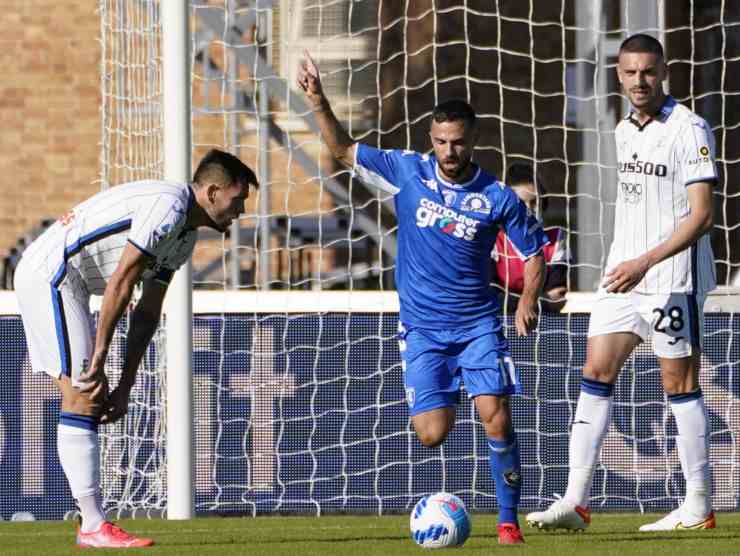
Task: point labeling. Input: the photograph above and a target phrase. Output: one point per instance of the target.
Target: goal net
(302, 410)
(299, 404)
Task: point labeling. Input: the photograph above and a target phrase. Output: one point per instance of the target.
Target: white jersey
(657, 161)
(82, 249)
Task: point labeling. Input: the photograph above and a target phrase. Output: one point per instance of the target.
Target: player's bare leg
(495, 415)
(433, 426)
(680, 379)
(77, 444)
(604, 359)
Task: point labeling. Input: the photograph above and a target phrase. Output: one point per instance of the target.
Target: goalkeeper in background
(658, 273)
(135, 232)
(449, 211)
(508, 269)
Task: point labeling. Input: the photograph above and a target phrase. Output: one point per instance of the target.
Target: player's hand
(93, 381)
(625, 276)
(116, 406)
(526, 316)
(309, 80)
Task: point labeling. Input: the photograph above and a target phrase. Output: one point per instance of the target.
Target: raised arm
(341, 145)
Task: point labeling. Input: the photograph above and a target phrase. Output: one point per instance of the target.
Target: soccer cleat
(561, 515)
(674, 521)
(509, 533)
(110, 536)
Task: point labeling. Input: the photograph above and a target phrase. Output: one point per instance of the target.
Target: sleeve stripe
(140, 248)
(709, 179)
(527, 257)
(374, 179)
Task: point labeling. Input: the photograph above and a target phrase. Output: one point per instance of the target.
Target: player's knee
(495, 415)
(80, 403)
(673, 385)
(84, 405)
(601, 372)
(431, 438)
(498, 425)
(432, 433)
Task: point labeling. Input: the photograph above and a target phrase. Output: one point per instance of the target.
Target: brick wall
(49, 99)
(50, 136)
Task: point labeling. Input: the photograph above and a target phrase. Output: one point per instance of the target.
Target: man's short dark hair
(454, 110)
(223, 168)
(521, 173)
(642, 43)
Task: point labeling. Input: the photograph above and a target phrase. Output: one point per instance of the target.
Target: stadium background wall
(306, 413)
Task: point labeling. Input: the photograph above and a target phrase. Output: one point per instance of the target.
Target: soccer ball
(440, 521)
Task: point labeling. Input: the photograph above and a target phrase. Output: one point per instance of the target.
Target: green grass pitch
(372, 535)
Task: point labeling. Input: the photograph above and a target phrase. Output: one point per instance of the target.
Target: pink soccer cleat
(510, 533)
(110, 536)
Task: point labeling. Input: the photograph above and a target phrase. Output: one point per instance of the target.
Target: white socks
(79, 456)
(693, 450)
(593, 415)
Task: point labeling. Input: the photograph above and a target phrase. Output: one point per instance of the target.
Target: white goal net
(298, 390)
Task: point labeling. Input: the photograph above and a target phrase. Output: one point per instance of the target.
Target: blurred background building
(541, 75)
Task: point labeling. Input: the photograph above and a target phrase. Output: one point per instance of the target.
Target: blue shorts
(437, 362)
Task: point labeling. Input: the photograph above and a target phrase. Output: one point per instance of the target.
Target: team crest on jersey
(449, 197)
(476, 202)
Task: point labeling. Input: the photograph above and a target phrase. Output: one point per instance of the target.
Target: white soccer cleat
(110, 536)
(561, 515)
(675, 521)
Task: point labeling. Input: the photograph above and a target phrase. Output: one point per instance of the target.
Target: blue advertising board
(306, 413)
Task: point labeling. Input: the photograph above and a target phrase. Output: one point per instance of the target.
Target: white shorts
(675, 321)
(57, 322)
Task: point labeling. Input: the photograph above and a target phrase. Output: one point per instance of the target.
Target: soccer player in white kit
(659, 270)
(135, 232)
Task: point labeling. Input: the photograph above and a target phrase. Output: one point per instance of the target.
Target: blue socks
(506, 473)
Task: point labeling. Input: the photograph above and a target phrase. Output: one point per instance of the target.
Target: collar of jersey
(454, 185)
(191, 200)
(665, 110)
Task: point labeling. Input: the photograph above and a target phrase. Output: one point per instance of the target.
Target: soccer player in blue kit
(449, 212)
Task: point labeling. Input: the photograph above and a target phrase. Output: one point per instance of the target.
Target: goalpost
(296, 383)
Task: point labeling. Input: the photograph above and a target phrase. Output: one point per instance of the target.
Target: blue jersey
(445, 235)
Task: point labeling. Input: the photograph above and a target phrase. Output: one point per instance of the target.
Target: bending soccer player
(659, 270)
(449, 211)
(135, 232)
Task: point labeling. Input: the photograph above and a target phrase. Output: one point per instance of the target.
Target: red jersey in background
(509, 268)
